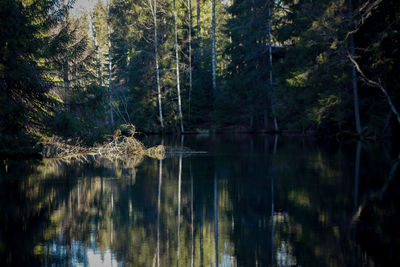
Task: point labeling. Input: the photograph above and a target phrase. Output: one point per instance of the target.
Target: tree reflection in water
(292, 202)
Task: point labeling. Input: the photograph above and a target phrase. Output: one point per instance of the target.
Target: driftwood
(120, 147)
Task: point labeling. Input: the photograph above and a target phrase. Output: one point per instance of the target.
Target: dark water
(251, 201)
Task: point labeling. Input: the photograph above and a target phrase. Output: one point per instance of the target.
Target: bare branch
(377, 85)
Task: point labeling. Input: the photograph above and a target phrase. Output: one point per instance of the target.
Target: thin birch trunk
(109, 65)
(270, 66)
(154, 13)
(354, 74)
(198, 32)
(214, 74)
(265, 111)
(190, 51)
(178, 86)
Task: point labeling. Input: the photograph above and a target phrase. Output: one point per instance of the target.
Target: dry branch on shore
(120, 147)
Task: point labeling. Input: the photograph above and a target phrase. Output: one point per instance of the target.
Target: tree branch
(377, 85)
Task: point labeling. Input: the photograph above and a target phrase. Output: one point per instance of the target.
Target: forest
(303, 67)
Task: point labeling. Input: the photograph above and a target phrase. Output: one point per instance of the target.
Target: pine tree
(247, 70)
(25, 106)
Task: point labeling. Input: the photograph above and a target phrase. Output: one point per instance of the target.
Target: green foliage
(315, 89)
(23, 99)
(72, 62)
(52, 84)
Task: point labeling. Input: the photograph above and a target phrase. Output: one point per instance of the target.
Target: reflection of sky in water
(82, 256)
(284, 256)
(228, 260)
(96, 259)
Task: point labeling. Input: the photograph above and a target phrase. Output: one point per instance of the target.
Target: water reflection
(179, 206)
(252, 201)
(158, 210)
(216, 218)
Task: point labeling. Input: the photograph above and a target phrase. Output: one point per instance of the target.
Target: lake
(252, 200)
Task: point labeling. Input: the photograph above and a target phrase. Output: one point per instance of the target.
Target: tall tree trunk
(354, 74)
(178, 86)
(265, 111)
(154, 13)
(190, 50)
(271, 83)
(214, 74)
(109, 66)
(198, 33)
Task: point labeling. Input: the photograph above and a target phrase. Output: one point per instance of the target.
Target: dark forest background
(326, 67)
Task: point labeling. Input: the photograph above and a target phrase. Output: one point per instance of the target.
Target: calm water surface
(251, 201)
